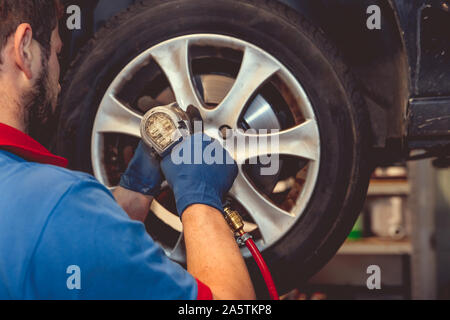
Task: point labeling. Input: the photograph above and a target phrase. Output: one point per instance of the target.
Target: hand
(204, 183)
(143, 174)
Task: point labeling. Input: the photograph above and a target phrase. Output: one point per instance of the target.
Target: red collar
(24, 146)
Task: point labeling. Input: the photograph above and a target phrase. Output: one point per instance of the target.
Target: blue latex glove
(199, 183)
(143, 174)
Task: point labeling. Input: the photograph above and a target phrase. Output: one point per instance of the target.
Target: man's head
(29, 67)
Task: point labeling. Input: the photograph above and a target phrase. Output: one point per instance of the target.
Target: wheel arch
(379, 61)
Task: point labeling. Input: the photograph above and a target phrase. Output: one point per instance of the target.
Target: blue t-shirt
(63, 236)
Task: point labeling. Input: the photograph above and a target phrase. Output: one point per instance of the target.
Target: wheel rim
(239, 103)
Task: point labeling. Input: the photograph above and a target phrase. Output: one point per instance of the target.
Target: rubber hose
(264, 269)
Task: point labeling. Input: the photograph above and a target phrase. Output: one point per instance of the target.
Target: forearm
(213, 256)
(135, 204)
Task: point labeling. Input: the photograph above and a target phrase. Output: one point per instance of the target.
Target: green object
(357, 230)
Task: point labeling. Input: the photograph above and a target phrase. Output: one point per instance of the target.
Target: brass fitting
(234, 220)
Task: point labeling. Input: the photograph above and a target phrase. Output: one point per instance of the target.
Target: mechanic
(52, 218)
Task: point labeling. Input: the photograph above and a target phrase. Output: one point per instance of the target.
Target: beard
(39, 117)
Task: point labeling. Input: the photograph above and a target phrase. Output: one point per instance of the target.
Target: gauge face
(160, 128)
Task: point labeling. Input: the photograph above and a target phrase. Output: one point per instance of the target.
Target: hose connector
(234, 220)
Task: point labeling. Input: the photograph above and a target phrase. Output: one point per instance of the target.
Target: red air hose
(264, 269)
(236, 224)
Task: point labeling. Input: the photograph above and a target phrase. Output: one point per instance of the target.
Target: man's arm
(206, 235)
(213, 256)
(135, 204)
(139, 184)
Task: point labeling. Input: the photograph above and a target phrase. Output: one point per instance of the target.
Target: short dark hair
(42, 15)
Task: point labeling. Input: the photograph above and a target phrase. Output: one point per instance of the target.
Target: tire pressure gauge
(163, 127)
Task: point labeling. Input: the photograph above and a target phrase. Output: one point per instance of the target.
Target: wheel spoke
(114, 117)
(271, 220)
(178, 253)
(166, 216)
(173, 58)
(256, 69)
(300, 141)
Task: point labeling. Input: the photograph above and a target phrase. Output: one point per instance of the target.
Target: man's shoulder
(31, 175)
(40, 182)
(56, 174)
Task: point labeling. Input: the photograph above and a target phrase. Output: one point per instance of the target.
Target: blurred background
(403, 229)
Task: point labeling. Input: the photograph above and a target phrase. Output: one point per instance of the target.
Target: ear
(23, 39)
